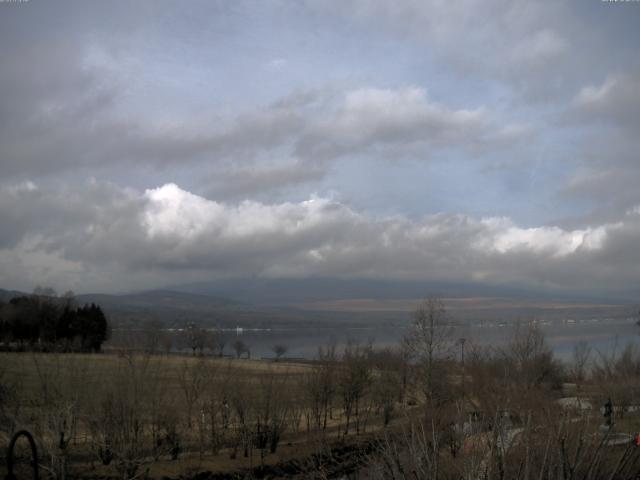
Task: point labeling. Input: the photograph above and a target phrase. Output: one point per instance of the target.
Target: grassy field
(183, 395)
(30, 372)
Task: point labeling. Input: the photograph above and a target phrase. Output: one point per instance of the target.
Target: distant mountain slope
(159, 298)
(164, 306)
(324, 302)
(175, 309)
(265, 291)
(483, 309)
(6, 295)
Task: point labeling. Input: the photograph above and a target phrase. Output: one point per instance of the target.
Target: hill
(174, 309)
(320, 303)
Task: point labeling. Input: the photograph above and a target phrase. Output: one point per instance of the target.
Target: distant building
(575, 403)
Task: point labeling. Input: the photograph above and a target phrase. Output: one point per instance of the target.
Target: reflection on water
(601, 335)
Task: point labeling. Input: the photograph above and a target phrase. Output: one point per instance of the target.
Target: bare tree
(118, 425)
(242, 405)
(387, 385)
(10, 404)
(429, 338)
(279, 350)
(414, 453)
(216, 408)
(152, 336)
(196, 338)
(240, 347)
(192, 379)
(354, 379)
(219, 341)
(617, 377)
(166, 341)
(61, 382)
(530, 357)
(319, 386)
(270, 413)
(581, 354)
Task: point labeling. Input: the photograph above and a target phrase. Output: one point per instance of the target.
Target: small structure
(575, 403)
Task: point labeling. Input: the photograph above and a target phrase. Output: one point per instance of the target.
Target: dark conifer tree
(42, 320)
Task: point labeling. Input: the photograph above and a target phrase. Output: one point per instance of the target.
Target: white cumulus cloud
(166, 234)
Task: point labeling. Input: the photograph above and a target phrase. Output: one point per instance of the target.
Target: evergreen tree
(44, 320)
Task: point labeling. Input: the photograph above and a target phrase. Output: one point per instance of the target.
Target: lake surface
(603, 336)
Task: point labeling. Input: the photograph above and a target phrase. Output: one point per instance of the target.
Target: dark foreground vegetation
(44, 322)
(435, 407)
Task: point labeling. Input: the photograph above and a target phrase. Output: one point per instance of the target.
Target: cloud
(146, 104)
(606, 152)
(81, 123)
(415, 106)
(615, 102)
(555, 242)
(242, 182)
(519, 43)
(538, 49)
(371, 118)
(166, 235)
(277, 64)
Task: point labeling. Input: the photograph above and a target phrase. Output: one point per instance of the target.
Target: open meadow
(129, 413)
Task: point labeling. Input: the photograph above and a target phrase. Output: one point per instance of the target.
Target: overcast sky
(155, 143)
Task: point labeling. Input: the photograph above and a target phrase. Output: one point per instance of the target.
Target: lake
(603, 335)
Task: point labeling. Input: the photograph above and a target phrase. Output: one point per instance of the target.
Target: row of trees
(154, 338)
(46, 322)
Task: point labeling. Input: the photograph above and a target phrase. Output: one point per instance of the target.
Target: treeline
(45, 322)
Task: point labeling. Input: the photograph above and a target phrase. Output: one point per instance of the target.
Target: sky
(154, 143)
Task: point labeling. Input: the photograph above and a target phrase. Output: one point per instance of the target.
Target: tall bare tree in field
(215, 404)
(429, 338)
(61, 383)
(387, 385)
(242, 404)
(195, 337)
(354, 381)
(130, 410)
(240, 348)
(271, 411)
(279, 349)
(9, 402)
(219, 341)
(320, 385)
(580, 360)
(530, 358)
(192, 378)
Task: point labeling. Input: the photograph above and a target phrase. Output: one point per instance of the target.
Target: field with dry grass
(167, 415)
